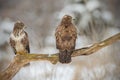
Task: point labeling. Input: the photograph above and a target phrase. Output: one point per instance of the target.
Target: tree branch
(20, 60)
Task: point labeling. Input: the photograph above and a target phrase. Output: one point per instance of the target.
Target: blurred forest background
(96, 20)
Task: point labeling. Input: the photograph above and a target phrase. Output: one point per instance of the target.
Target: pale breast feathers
(19, 43)
(17, 38)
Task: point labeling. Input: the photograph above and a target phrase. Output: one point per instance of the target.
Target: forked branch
(20, 60)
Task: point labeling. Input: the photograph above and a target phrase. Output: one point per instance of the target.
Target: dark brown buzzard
(66, 34)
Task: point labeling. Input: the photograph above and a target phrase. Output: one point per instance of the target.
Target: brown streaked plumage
(66, 34)
(19, 39)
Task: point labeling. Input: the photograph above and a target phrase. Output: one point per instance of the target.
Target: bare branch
(95, 47)
(20, 60)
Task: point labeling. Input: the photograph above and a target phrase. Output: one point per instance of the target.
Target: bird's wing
(72, 42)
(25, 42)
(58, 38)
(74, 32)
(12, 43)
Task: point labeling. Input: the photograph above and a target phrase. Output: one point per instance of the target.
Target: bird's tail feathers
(65, 56)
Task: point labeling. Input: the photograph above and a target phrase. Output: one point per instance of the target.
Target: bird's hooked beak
(25, 27)
(74, 19)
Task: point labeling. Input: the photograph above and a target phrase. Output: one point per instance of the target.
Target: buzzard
(19, 39)
(66, 34)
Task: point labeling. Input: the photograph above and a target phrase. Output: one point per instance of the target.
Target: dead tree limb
(20, 60)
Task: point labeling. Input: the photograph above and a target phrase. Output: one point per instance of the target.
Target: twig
(20, 60)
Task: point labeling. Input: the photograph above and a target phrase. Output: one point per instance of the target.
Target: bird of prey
(66, 34)
(19, 39)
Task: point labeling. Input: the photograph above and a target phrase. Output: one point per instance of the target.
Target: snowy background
(95, 20)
